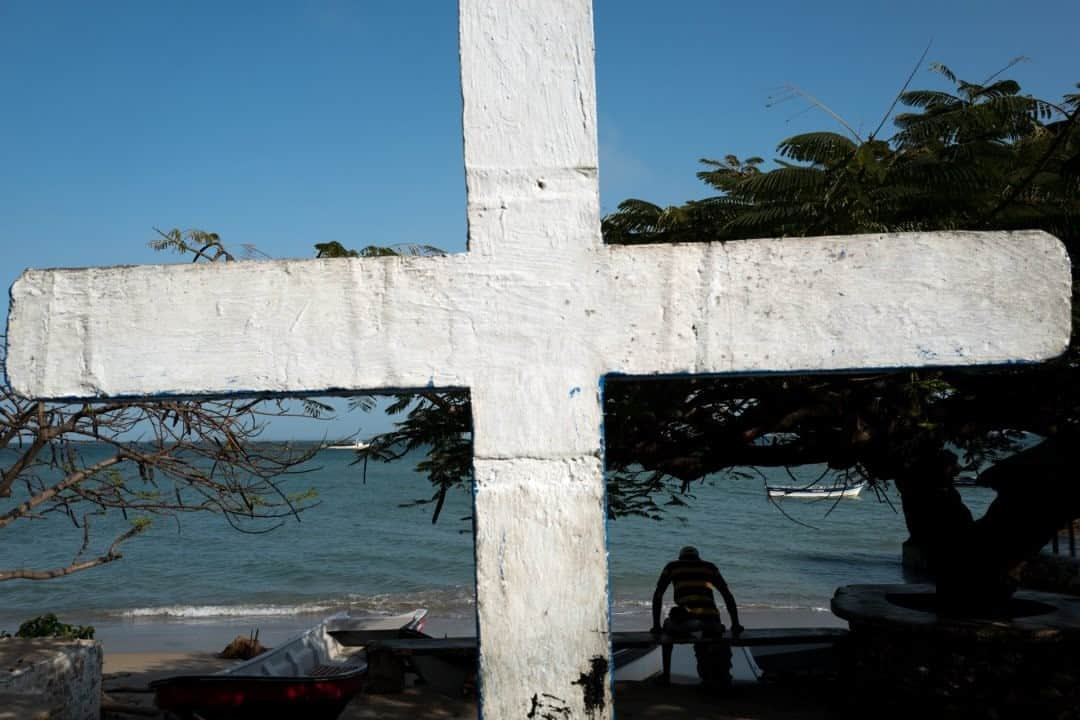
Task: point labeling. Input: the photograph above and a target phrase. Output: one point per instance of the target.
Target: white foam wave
(212, 611)
(450, 602)
(626, 607)
(775, 606)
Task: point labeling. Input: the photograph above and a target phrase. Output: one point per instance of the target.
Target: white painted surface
(530, 320)
(541, 576)
(541, 322)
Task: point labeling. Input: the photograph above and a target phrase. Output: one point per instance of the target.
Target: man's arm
(658, 598)
(729, 601)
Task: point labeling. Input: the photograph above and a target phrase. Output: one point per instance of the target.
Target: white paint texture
(530, 320)
(538, 324)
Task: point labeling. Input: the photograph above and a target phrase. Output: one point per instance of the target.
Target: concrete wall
(65, 675)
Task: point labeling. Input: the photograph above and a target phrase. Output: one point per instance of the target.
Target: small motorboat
(815, 492)
(769, 653)
(358, 445)
(353, 631)
(313, 675)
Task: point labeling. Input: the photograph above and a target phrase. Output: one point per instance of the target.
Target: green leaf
(823, 148)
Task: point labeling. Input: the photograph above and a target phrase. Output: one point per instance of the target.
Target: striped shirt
(694, 581)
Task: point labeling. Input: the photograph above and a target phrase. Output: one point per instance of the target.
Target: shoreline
(138, 652)
(208, 635)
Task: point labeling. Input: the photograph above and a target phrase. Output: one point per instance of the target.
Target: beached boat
(313, 675)
(773, 653)
(816, 491)
(778, 661)
(358, 445)
(449, 666)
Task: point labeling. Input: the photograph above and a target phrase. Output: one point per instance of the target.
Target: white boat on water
(358, 445)
(816, 492)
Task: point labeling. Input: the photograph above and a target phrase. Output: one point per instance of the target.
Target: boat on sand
(313, 675)
(449, 666)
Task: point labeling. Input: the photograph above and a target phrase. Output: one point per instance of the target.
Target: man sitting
(695, 609)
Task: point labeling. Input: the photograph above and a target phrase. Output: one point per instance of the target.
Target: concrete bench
(748, 638)
(464, 646)
(387, 658)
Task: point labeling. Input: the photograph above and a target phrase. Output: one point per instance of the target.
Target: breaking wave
(215, 611)
(447, 603)
(634, 607)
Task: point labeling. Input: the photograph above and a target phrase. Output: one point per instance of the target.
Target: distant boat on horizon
(358, 445)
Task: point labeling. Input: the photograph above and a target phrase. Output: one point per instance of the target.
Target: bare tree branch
(70, 481)
(111, 555)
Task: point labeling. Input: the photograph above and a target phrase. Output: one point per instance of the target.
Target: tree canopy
(966, 157)
(972, 157)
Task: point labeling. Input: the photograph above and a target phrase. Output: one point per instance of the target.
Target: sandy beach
(141, 653)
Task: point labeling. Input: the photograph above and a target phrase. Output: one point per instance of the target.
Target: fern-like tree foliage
(970, 156)
(974, 157)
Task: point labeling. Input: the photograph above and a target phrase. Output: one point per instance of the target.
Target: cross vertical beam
(531, 169)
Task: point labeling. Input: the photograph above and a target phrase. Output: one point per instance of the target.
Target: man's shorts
(680, 622)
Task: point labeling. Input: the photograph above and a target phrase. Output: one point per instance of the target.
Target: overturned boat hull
(225, 697)
(313, 675)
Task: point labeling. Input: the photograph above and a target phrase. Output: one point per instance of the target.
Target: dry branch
(185, 457)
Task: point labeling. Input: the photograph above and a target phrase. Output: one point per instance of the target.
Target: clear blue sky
(286, 124)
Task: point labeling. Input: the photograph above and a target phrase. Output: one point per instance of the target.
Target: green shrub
(49, 626)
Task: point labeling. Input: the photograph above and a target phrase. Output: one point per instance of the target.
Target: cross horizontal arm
(274, 327)
(833, 303)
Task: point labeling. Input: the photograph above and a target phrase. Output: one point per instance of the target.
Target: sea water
(364, 548)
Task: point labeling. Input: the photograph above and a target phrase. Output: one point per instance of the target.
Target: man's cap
(689, 553)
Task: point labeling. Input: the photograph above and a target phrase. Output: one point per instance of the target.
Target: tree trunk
(976, 562)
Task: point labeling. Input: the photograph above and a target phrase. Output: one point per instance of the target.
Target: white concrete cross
(530, 320)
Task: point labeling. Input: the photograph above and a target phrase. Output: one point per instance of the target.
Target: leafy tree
(439, 422)
(971, 156)
(974, 157)
(978, 158)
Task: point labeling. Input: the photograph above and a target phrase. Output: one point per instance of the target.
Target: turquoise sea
(359, 550)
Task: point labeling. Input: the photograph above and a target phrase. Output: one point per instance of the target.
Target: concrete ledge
(1041, 616)
(50, 678)
(908, 660)
(1052, 573)
(26, 707)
